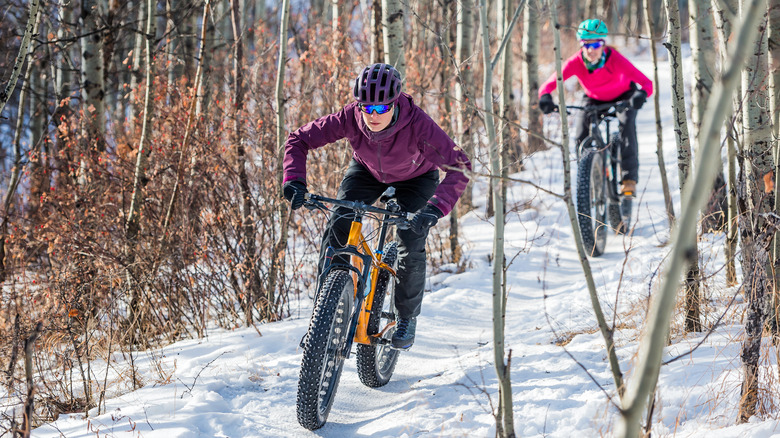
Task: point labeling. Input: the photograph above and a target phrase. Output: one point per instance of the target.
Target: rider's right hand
(295, 192)
(546, 104)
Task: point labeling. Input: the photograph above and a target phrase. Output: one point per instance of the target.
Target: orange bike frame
(357, 240)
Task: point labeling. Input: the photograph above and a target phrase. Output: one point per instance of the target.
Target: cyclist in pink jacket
(606, 76)
(394, 143)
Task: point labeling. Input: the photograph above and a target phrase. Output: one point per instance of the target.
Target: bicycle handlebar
(315, 201)
(611, 108)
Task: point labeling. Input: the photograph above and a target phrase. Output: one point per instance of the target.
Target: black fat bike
(598, 178)
(355, 303)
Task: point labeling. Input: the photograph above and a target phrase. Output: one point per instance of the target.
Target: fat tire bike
(598, 178)
(354, 304)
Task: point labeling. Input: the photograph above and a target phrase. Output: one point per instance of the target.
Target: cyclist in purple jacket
(394, 143)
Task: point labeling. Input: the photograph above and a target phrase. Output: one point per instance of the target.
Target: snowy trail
(238, 384)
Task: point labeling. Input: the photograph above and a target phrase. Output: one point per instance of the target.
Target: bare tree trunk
(511, 153)
(463, 87)
(591, 10)
(29, 31)
(703, 50)
(29, 405)
(659, 145)
(144, 149)
(653, 342)
(754, 228)
(607, 332)
(248, 271)
(774, 100)
(723, 24)
(393, 33)
(133, 224)
(39, 140)
(93, 88)
(651, 347)
(530, 71)
(504, 417)
(64, 81)
(280, 246)
(25, 54)
(448, 16)
(377, 40)
(692, 298)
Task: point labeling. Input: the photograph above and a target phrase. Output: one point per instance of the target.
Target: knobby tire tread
(310, 414)
(593, 240)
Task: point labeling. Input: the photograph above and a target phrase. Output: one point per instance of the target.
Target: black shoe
(403, 338)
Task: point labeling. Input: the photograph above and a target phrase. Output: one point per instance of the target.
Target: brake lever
(313, 204)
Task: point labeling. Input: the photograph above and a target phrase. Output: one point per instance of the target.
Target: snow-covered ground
(243, 384)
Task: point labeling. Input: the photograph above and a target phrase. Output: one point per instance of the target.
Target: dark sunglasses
(379, 109)
(593, 45)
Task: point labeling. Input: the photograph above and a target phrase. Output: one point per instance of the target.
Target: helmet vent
(378, 84)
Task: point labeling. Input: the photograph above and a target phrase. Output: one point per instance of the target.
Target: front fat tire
(323, 358)
(592, 201)
(376, 363)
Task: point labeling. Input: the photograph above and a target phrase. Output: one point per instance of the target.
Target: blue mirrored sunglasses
(593, 45)
(379, 109)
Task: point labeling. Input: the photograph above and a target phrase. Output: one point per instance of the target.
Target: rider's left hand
(638, 99)
(425, 219)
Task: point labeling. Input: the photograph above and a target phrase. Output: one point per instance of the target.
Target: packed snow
(243, 383)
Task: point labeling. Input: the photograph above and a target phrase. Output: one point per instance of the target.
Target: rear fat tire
(620, 215)
(592, 201)
(323, 358)
(376, 363)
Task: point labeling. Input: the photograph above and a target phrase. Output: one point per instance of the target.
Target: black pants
(627, 129)
(359, 185)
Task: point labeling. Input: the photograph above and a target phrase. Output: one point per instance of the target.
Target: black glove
(425, 219)
(294, 192)
(638, 99)
(546, 104)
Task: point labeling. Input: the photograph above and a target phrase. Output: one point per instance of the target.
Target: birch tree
(755, 226)
(135, 65)
(774, 102)
(607, 332)
(377, 40)
(463, 86)
(659, 145)
(280, 246)
(133, 223)
(93, 87)
(511, 153)
(29, 31)
(703, 51)
(248, 268)
(25, 54)
(393, 34)
(504, 418)
(724, 12)
(692, 300)
(530, 75)
(651, 347)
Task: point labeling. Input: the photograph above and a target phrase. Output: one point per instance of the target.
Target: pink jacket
(605, 83)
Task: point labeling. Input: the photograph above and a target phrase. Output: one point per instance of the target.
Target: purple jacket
(415, 144)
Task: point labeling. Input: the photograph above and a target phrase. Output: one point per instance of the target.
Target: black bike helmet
(378, 84)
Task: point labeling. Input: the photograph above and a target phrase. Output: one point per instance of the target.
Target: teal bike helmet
(593, 29)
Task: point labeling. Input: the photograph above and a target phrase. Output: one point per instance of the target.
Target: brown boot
(628, 188)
